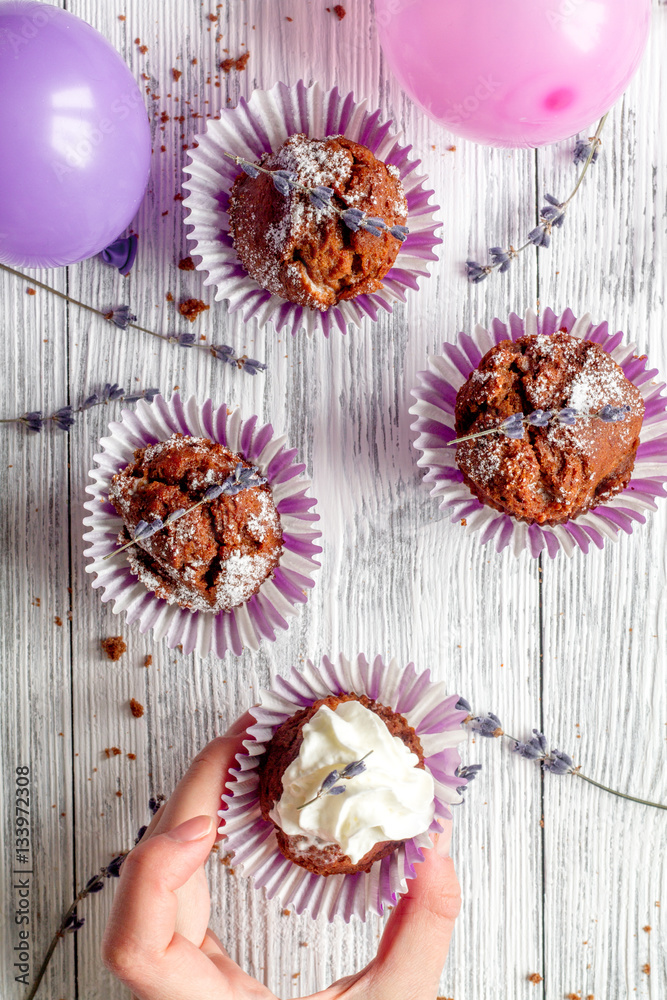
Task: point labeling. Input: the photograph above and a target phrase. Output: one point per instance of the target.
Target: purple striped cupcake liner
(278, 597)
(434, 427)
(252, 840)
(261, 124)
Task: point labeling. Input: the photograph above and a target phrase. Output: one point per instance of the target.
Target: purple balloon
(75, 143)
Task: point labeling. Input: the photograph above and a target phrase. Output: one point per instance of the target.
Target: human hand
(158, 942)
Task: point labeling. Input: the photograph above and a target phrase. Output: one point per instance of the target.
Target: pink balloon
(75, 143)
(514, 72)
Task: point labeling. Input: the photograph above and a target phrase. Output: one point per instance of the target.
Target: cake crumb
(114, 646)
(186, 264)
(534, 977)
(192, 308)
(132, 756)
(179, 196)
(121, 17)
(339, 11)
(148, 660)
(111, 752)
(239, 63)
(646, 969)
(58, 620)
(30, 291)
(119, 794)
(451, 149)
(176, 73)
(136, 708)
(169, 297)
(286, 913)
(647, 928)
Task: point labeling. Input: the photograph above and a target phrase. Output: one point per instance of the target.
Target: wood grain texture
(575, 646)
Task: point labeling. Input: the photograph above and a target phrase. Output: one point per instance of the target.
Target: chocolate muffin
(323, 858)
(558, 471)
(307, 254)
(216, 556)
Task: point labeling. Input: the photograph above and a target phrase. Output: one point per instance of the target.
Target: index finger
(199, 791)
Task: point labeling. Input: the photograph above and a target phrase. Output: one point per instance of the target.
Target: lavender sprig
(537, 748)
(71, 921)
(515, 425)
(65, 417)
(552, 216)
(123, 318)
(321, 198)
(330, 784)
(242, 478)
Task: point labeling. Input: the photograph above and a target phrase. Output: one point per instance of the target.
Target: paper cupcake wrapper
(434, 426)
(278, 596)
(252, 840)
(261, 125)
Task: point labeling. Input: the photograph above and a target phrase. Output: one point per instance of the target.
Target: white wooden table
(558, 878)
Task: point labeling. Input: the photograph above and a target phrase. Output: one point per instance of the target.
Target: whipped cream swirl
(392, 799)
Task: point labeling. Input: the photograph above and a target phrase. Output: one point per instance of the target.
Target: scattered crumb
(213, 17)
(119, 794)
(226, 860)
(289, 18)
(58, 620)
(148, 661)
(303, 944)
(451, 149)
(573, 996)
(37, 603)
(186, 264)
(192, 308)
(30, 291)
(111, 752)
(647, 928)
(534, 977)
(121, 17)
(132, 756)
(339, 11)
(179, 197)
(286, 913)
(176, 73)
(239, 64)
(114, 646)
(136, 708)
(646, 969)
(464, 522)
(169, 297)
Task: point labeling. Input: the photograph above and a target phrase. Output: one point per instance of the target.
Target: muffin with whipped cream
(344, 784)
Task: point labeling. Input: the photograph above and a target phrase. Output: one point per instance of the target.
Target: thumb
(421, 924)
(143, 918)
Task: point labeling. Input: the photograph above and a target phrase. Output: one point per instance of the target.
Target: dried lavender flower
(463, 706)
(558, 762)
(552, 215)
(514, 425)
(582, 151)
(489, 725)
(283, 181)
(251, 366)
(330, 787)
(321, 197)
(65, 417)
(477, 272)
(121, 317)
(242, 478)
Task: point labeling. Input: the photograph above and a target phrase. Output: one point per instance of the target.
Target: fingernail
(444, 841)
(193, 829)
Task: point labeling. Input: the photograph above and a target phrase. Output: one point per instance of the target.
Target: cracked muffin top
(307, 254)
(216, 556)
(555, 472)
